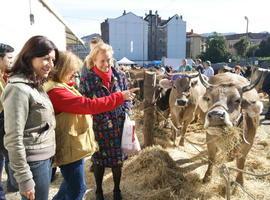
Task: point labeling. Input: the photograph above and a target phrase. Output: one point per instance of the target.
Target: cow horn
(204, 82)
(252, 85)
(193, 75)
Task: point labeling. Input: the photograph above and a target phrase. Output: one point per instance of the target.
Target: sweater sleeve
(65, 101)
(16, 105)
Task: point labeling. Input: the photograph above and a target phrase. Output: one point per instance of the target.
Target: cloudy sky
(203, 16)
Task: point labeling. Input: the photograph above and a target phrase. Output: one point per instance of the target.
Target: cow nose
(181, 102)
(216, 114)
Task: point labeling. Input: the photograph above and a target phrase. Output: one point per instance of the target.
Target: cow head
(181, 85)
(224, 100)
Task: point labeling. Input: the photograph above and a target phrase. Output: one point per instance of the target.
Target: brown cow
(183, 101)
(228, 97)
(263, 85)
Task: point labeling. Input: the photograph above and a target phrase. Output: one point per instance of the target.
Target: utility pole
(246, 18)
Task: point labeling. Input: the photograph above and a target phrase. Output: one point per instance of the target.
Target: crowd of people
(49, 120)
(205, 68)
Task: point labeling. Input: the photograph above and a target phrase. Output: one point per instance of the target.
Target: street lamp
(246, 18)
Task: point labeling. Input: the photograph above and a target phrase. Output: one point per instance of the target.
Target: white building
(22, 19)
(176, 37)
(128, 35)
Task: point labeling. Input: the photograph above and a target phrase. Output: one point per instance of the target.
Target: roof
(128, 13)
(163, 22)
(71, 37)
(261, 36)
(125, 61)
(189, 34)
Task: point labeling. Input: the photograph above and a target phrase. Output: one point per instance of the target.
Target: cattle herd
(223, 101)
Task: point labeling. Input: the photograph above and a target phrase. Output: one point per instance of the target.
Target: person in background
(74, 134)
(238, 70)
(6, 60)
(93, 42)
(101, 79)
(209, 71)
(184, 66)
(29, 118)
(199, 66)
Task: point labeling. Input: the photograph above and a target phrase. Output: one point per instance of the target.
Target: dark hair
(36, 46)
(4, 49)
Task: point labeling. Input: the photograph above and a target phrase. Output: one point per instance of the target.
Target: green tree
(241, 46)
(252, 50)
(264, 48)
(216, 50)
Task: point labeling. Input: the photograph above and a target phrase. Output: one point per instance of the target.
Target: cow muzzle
(217, 117)
(181, 102)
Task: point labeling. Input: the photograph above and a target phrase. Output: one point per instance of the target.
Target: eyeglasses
(75, 75)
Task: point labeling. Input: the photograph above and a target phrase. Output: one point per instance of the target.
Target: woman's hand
(129, 94)
(30, 194)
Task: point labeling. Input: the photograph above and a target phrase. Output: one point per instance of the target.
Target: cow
(264, 84)
(186, 89)
(228, 100)
(135, 77)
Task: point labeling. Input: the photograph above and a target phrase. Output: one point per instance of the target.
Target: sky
(203, 16)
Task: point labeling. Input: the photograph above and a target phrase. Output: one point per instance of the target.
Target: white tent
(125, 61)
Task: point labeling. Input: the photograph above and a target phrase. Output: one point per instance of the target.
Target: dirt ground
(191, 160)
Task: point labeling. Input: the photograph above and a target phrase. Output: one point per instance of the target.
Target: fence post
(149, 98)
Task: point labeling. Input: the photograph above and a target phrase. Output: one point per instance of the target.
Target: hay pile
(228, 141)
(152, 175)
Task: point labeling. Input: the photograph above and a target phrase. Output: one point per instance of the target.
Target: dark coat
(108, 126)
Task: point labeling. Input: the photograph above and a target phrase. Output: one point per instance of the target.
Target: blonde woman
(100, 79)
(74, 135)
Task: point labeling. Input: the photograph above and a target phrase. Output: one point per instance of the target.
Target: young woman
(100, 79)
(74, 134)
(29, 118)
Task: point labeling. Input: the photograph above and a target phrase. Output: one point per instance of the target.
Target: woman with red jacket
(74, 135)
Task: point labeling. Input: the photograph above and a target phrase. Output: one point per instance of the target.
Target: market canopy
(125, 61)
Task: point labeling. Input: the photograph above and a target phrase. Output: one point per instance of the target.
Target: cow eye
(206, 98)
(237, 101)
(187, 89)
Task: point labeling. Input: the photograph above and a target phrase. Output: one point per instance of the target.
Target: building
(166, 38)
(176, 37)
(83, 51)
(145, 39)
(253, 38)
(157, 37)
(128, 35)
(195, 44)
(29, 18)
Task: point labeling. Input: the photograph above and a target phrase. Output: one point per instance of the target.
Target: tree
(216, 50)
(252, 50)
(241, 46)
(264, 48)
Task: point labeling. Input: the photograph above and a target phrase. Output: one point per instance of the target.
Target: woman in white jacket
(29, 118)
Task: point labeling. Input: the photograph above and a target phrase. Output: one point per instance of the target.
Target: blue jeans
(41, 171)
(2, 161)
(73, 186)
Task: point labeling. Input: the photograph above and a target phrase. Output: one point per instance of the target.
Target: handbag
(130, 143)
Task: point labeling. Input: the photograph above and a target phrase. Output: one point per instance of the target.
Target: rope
(249, 173)
(177, 129)
(244, 190)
